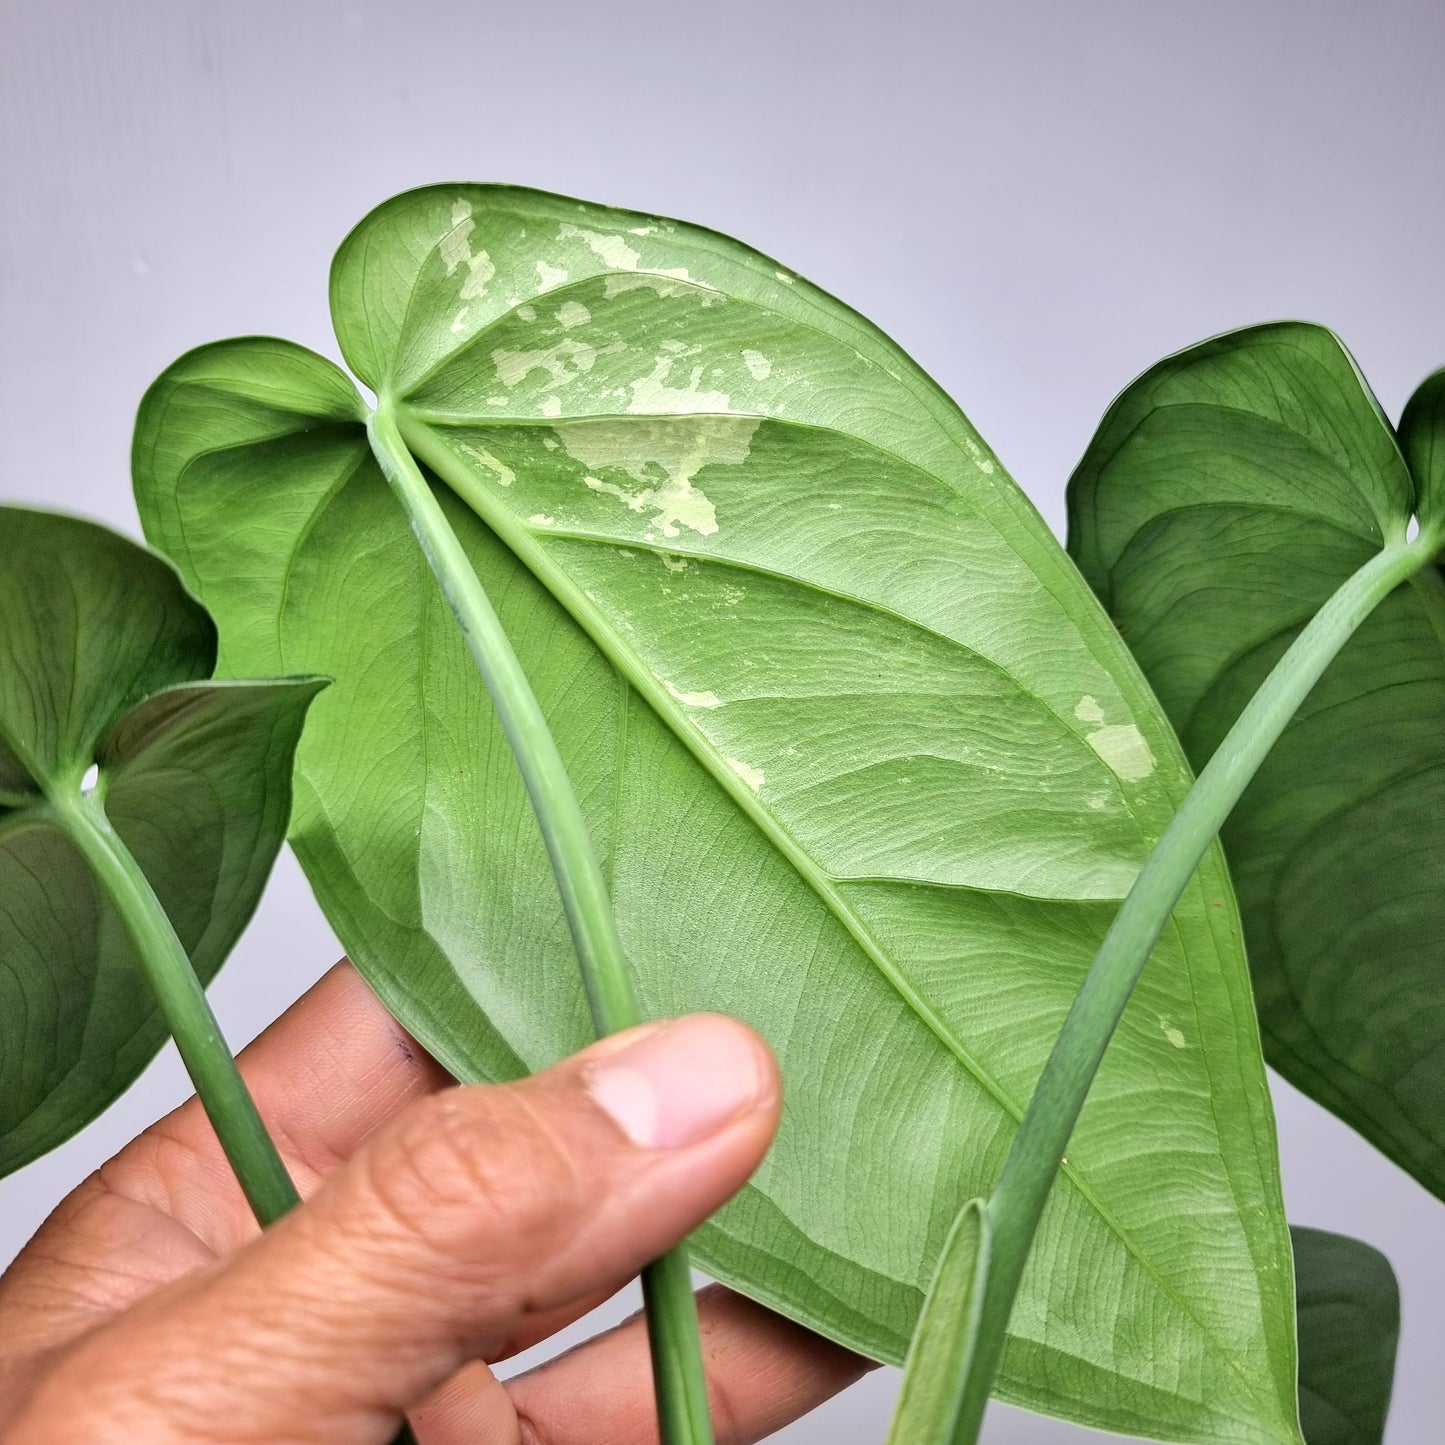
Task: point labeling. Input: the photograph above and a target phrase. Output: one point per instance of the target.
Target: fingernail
(681, 1082)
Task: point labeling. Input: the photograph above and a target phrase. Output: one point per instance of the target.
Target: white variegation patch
(673, 282)
(693, 699)
(564, 362)
(455, 250)
(676, 449)
(653, 393)
(759, 366)
(612, 249)
(572, 314)
(499, 471)
(1123, 748)
(753, 777)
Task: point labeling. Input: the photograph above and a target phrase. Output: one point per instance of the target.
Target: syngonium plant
(802, 688)
(865, 762)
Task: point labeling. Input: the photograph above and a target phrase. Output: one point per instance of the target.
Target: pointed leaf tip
(936, 1372)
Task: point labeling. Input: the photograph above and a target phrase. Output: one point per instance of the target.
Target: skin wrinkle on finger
(177, 1172)
(98, 1254)
(543, 1206)
(389, 1068)
(107, 1271)
(462, 1159)
(173, 1183)
(545, 1323)
(762, 1371)
(473, 1407)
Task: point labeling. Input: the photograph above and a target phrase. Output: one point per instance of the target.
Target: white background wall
(1036, 199)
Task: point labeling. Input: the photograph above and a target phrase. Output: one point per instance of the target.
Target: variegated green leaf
(867, 763)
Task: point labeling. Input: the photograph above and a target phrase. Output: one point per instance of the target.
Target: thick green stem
(219, 1086)
(1038, 1148)
(667, 1288)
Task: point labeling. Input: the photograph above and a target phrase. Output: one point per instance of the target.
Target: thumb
(470, 1214)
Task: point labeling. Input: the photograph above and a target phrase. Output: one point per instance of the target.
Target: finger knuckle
(147, 1170)
(471, 1164)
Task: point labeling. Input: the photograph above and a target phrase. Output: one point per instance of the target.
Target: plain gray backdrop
(1037, 200)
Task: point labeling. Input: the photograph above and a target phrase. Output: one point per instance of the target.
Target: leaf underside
(1349, 1325)
(1228, 492)
(865, 761)
(104, 658)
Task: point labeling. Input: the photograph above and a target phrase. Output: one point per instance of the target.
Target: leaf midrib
(1099, 462)
(757, 569)
(521, 542)
(22, 754)
(430, 418)
(1050, 572)
(1424, 1144)
(43, 816)
(1428, 590)
(1054, 570)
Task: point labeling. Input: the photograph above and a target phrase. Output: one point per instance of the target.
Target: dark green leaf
(1422, 438)
(1227, 493)
(1349, 1324)
(103, 660)
(866, 763)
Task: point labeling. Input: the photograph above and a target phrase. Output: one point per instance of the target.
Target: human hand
(445, 1228)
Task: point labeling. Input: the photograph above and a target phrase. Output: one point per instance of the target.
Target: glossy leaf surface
(1349, 1325)
(1227, 493)
(104, 660)
(868, 766)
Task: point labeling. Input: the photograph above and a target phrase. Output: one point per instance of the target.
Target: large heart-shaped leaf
(1349, 1325)
(1227, 493)
(103, 656)
(866, 762)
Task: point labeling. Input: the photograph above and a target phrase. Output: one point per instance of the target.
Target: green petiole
(1018, 1200)
(219, 1086)
(678, 1375)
